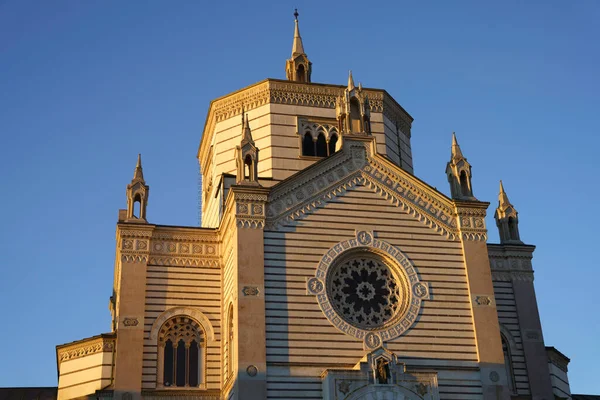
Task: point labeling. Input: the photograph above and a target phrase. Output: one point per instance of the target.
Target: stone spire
(298, 68)
(458, 171)
(456, 153)
(507, 219)
(246, 132)
(503, 202)
(138, 174)
(350, 81)
(297, 46)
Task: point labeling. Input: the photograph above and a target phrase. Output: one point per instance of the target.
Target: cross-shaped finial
(296, 13)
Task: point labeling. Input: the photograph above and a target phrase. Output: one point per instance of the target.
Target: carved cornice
(511, 263)
(471, 220)
(169, 246)
(250, 203)
(85, 348)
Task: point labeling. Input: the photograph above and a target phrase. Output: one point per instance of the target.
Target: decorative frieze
(85, 348)
(250, 209)
(157, 247)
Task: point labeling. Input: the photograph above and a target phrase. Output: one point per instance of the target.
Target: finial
(359, 86)
(296, 14)
(501, 187)
(139, 161)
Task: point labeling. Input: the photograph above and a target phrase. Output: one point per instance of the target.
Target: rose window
(365, 292)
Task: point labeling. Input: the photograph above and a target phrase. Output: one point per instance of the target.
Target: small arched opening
(248, 167)
(321, 146)
(355, 115)
(512, 229)
(137, 205)
(301, 73)
(464, 184)
(332, 143)
(308, 145)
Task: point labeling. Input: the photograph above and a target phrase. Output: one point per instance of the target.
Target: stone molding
(189, 312)
(511, 263)
(85, 348)
(166, 247)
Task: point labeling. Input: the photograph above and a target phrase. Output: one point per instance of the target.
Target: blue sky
(86, 85)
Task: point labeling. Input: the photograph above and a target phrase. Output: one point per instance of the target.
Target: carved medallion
(250, 291)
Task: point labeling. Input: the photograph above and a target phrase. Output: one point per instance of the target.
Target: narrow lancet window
(321, 146)
(308, 146)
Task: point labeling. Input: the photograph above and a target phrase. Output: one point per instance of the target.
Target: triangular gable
(299, 195)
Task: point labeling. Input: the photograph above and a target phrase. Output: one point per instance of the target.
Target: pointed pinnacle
(350, 80)
(297, 46)
(246, 132)
(456, 153)
(138, 173)
(503, 201)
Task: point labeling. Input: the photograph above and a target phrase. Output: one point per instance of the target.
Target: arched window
(355, 115)
(321, 146)
(508, 364)
(464, 184)
(332, 143)
(182, 350)
(308, 146)
(229, 345)
(301, 73)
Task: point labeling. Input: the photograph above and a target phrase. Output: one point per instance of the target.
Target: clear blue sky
(86, 85)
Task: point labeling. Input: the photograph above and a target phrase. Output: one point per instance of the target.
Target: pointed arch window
(301, 74)
(321, 146)
(181, 354)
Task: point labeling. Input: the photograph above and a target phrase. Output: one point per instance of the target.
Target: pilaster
(473, 235)
(512, 263)
(133, 245)
(247, 204)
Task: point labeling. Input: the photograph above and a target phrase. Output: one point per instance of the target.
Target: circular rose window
(365, 292)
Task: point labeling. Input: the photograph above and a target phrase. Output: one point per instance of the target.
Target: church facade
(324, 268)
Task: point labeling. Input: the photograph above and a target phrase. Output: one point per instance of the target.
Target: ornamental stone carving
(85, 348)
(195, 248)
(368, 289)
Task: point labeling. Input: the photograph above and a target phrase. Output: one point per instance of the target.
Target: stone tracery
(365, 292)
